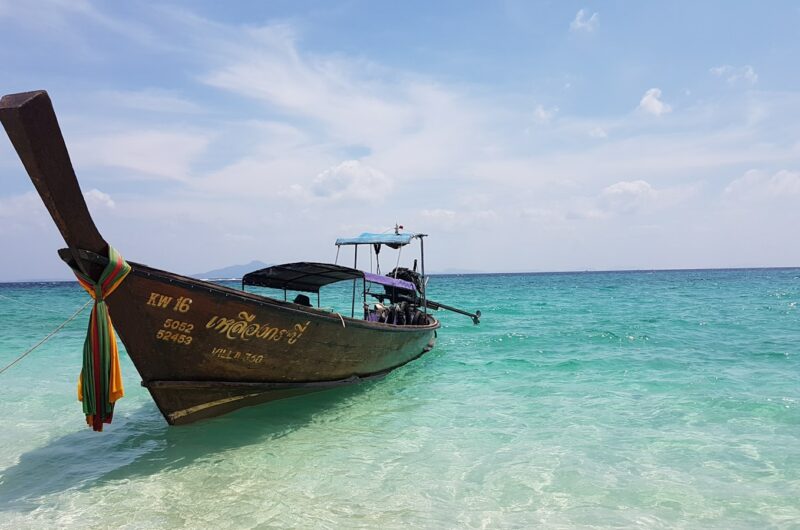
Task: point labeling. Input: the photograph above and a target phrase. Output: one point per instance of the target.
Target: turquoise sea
(585, 400)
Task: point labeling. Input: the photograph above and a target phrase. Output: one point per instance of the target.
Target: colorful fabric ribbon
(100, 382)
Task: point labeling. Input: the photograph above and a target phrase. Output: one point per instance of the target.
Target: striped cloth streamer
(100, 382)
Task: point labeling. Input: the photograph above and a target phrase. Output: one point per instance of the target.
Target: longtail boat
(203, 349)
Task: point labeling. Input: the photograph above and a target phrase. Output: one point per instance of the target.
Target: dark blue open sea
(644, 399)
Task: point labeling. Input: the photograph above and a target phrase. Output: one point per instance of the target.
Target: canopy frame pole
(364, 291)
(336, 261)
(424, 283)
(285, 299)
(399, 253)
(318, 305)
(355, 266)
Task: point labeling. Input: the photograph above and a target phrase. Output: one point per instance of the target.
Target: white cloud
(151, 99)
(452, 220)
(144, 153)
(652, 104)
(351, 180)
(20, 213)
(239, 238)
(639, 196)
(16, 206)
(543, 115)
(413, 124)
(541, 214)
(755, 184)
(352, 99)
(598, 132)
(66, 22)
(628, 196)
(260, 113)
(733, 74)
(96, 198)
(584, 22)
(439, 214)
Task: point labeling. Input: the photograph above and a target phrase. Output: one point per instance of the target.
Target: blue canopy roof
(385, 239)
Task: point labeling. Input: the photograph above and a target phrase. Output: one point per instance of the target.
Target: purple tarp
(386, 280)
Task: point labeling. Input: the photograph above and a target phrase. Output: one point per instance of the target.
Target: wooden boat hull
(204, 349)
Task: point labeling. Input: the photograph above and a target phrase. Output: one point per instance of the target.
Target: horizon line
(481, 273)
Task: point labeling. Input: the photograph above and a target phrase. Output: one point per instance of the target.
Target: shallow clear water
(660, 400)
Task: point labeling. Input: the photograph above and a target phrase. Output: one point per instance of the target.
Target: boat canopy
(311, 277)
(367, 238)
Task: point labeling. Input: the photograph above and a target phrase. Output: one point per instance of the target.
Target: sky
(520, 135)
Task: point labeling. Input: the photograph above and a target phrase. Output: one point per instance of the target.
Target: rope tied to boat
(45, 339)
(100, 382)
(36, 307)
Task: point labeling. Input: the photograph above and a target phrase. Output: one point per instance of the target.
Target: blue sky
(522, 136)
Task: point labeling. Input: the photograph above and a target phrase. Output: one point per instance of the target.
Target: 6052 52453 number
(178, 325)
(180, 338)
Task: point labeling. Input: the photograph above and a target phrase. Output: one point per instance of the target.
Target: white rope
(29, 305)
(67, 321)
(337, 314)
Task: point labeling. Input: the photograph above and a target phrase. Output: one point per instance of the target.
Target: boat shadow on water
(140, 444)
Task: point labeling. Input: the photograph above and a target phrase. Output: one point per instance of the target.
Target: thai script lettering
(244, 328)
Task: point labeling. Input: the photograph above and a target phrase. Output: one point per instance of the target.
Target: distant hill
(232, 271)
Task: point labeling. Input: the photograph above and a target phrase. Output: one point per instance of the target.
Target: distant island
(230, 272)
